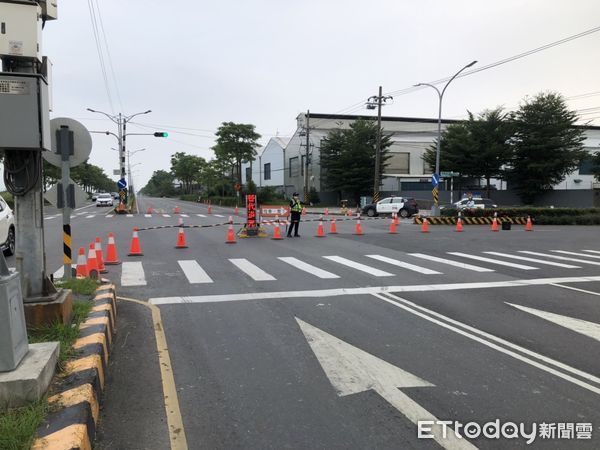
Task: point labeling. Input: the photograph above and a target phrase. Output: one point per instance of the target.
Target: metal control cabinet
(21, 30)
(24, 121)
(13, 332)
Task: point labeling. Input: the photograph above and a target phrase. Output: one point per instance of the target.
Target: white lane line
(358, 266)
(580, 326)
(200, 215)
(493, 261)
(129, 215)
(336, 292)
(91, 216)
(254, 272)
(451, 262)
(73, 217)
(404, 265)
(110, 215)
(81, 213)
(132, 274)
(218, 215)
(307, 267)
(166, 215)
(534, 260)
(184, 215)
(561, 258)
(50, 217)
(147, 215)
(575, 254)
(577, 289)
(193, 272)
(488, 340)
(592, 251)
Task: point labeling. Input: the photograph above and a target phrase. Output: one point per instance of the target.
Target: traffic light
(161, 134)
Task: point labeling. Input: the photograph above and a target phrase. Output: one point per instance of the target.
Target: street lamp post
(435, 210)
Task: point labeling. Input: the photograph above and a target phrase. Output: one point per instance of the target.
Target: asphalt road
(346, 341)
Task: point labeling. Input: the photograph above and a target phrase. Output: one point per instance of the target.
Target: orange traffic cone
(100, 261)
(425, 226)
(209, 209)
(320, 231)
(396, 218)
(392, 226)
(459, 225)
(149, 210)
(181, 239)
(529, 224)
(276, 230)
(303, 211)
(135, 249)
(92, 262)
(237, 211)
(111, 251)
(333, 227)
(326, 211)
(176, 210)
(82, 270)
(495, 224)
(358, 231)
(230, 235)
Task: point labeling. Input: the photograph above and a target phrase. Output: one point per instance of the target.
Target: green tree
(596, 165)
(477, 148)
(160, 184)
(51, 175)
(348, 158)
(187, 169)
(236, 144)
(547, 146)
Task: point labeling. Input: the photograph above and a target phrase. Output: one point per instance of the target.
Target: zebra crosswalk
(331, 267)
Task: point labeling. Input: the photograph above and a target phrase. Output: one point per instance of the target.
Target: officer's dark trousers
(294, 225)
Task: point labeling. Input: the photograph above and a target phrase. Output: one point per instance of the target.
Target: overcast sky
(196, 64)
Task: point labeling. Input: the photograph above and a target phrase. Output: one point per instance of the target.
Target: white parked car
(404, 207)
(104, 199)
(7, 228)
(475, 203)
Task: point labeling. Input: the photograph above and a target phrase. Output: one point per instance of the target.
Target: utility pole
(372, 103)
(306, 156)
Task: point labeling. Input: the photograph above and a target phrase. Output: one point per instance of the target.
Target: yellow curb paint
(174, 419)
(98, 321)
(97, 338)
(88, 362)
(74, 436)
(75, 396)
(106, 307)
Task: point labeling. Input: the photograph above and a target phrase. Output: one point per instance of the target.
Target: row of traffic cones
(95, 263)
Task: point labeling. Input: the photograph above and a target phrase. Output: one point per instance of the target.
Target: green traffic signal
(161, 134)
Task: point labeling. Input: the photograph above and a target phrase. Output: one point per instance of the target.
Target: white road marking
(592, 251)
(351, 370)
(166, 215)
(493, 261)
(404, 265)
(336, 292)
(419, 311)
(110, 215)
(218, 215)
(254, 272)
(580, 326)
(358, 266)
(147, 215)
(575, 254)
(81, 213)
(451, 262)
(308, 268)
(200, 215)
(561, 258)
(577, 289)
(132, 274)
(50, 217)
(184, 215)
(73, 217)
(193, 272)
(129, 215)
(91, 216)
(534, 260)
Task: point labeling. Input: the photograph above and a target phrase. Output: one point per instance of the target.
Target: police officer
(296, 210)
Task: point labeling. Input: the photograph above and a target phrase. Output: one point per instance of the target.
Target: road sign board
(81, 196)
(237, 187)
(116, 171)
(82, 142)
(435, 179)
(450, 174)
(122, 183)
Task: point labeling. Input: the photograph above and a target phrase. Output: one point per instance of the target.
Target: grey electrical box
(20, 30)
(13, 333)
(24, 112)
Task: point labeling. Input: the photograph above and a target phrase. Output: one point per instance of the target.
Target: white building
(267, 168)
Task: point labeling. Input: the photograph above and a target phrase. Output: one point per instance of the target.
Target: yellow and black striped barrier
(471, 220)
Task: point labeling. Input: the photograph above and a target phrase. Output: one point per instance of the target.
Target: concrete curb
(72, 424)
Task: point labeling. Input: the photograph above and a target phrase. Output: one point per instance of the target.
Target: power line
(100, 54)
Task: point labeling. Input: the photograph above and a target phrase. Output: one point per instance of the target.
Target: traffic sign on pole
(122, 183)
(435, 179)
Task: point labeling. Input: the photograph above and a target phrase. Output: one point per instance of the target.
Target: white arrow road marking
(575, 254)
(351, 371)
(580, 326)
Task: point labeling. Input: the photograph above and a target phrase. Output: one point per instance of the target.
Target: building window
(586, 166)
(294, 169)
(427, 168)
(267, 171)
(248, 174)
(398, 163)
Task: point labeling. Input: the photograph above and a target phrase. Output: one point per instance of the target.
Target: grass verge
(18, 425)
(85, 286)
